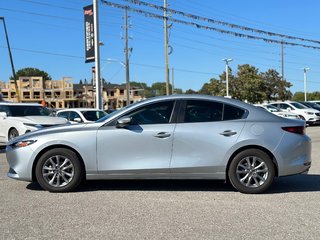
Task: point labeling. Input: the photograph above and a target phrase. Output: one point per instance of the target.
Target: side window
(5, 109)
(63, 115)
(203, 111)
(285, 106)
(232, 113)
(157, 113)
(74, 115)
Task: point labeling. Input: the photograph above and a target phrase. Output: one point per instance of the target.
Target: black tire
(59, 170)
(251, 171)
(13, 133)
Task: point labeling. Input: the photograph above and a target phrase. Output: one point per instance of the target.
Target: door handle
(162, 135)
(228, 133)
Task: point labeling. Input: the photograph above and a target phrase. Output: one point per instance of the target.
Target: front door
(143, 147)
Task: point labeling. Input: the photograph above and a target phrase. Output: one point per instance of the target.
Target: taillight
(297, 129)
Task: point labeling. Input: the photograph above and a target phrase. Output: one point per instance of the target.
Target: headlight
(23, 143)
(309, 113)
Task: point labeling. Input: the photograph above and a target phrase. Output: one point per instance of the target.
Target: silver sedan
(175, 137)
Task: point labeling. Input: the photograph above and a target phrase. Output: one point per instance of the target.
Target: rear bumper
(293, 154)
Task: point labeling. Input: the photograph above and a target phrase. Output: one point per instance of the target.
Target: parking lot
(163, 209)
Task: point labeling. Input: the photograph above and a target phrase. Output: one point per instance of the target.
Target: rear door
(204, 133)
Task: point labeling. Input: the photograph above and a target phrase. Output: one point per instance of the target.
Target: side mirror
(78, 120)
(3, 115)
(288, 109)
(124, 121)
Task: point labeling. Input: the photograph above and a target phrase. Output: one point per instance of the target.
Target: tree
(314, 96)
(159, 88)
(217, 87)
(32, 72)
(248, 84)
(275, 87)
(298, 96)
(214, 87)
(190, 91)
(178, 91)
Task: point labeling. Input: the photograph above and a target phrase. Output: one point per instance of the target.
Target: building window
(121, 92)
(36, 95)
(26, 95)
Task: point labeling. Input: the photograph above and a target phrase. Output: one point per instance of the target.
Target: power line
(199, 26)
(210, 20)
(237, 18)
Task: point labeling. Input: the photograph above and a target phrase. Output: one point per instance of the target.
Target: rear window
(232, 113)
(211, 111)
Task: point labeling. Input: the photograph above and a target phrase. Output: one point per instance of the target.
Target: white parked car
(81, 115)
(19, 118)
(278, 111)
(310, 115)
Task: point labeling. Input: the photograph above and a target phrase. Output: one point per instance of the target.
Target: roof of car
(200, 96)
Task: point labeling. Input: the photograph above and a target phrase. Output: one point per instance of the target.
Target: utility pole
(282, 60)
(126, 26)
(97, 55)
(11, 60)
(305, 82)
(227, 60)
(166, 45)
(172, 72)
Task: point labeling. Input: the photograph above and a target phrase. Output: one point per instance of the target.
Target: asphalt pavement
(163, 209)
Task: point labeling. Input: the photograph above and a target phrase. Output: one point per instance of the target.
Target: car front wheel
(59, 170)
(13, 133)
(251, 171)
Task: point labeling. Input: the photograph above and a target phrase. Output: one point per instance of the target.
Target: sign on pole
(89, 33)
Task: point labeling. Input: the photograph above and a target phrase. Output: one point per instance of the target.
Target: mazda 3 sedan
(174, 137)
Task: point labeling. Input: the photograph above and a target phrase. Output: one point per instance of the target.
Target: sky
(49, 35)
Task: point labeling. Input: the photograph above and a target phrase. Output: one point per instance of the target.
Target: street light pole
(305, 82)
(11, 60)
(227, 60)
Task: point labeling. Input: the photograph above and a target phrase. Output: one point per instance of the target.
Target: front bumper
(19, 160)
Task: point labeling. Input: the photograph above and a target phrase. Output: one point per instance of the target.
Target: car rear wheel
(59, 170)
(13, 133)
(251, 171)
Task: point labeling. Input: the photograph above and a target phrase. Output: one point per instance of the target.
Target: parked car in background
(310, 115)
(315, 101)
(81, 115)
(311, 105)
(278, 111)
(19, 118)
(168, 137)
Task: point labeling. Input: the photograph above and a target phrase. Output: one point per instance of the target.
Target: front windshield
(299, 105)
(22, 110)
